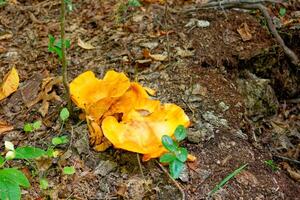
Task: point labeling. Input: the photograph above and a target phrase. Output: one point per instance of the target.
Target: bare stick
(287, 51)
(64, 60)
(172, 179)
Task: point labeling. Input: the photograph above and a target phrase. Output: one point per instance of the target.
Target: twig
(172, 179)
(166, 29)
(288, 159)
(64, 60)
(253, 4)
(140, 165)
(287, 51)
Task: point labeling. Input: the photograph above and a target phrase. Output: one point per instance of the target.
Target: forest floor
(233, 80)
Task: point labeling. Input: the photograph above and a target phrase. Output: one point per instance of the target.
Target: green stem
(64, 60)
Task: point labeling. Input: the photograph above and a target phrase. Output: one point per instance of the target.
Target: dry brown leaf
(6, 36)
(10, 83)
(4, 127)
(46, 94)
(245, 32)
(84, 45)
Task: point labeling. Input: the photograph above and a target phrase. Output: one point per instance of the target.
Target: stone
(105, 167)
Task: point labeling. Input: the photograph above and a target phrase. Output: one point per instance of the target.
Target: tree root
(251, 4)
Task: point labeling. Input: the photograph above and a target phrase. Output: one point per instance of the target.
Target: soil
(201, 75)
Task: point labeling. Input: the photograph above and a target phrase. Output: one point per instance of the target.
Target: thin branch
(294, 58)
(173, 180)
(64, 60)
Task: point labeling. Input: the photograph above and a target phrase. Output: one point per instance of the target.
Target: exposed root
(252, 4)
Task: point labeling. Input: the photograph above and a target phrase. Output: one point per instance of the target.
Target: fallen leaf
(46, 94)
(10, 83)
(4, 127)
(85, 45)
(157, 57)
(184, 53)
(6, 36)
(244, 32)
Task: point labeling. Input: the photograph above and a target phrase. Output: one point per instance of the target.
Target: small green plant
(31, 127)
(69, 170)
(176, 156)
(60, 140)
(134, 3)
(11, 179)
(2, 2)
(44, 184)
(55, 46)
(226, 179)
(64, 114)
(282, 11)
(272, 165)
(69, 5)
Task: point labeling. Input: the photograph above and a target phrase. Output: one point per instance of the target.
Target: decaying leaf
(10, 83)
(84, 45)
(124, 113)
(157, 57)
(4, 127)
(244, 32)
(46, 94)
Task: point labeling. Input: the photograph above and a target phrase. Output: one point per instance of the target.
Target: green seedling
(64, 114)
(176, 156)
(2, 2)
(11, 179)
(282, 11)
(134, 3)
(226, 179)
(31, 127)
(69, 5)
(44, 184)
(60, 140)
(69, 170)
(272, 165)
(55, 46)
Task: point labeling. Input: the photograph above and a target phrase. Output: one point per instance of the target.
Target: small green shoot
(44, 184)
(64, 114)
(55, 46)
(69, 170)
(226, 179)
(60, 140)
(2, 2)
(31, 127)
(176, 156)
(272, 165)
(69, 5)
(134, 3)
(282, 11)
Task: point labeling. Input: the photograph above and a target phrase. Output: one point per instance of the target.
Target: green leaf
(181, 154)
(59, 43)
(69, 5)
(37, 124)
(28, 127)
(282, 11)
(64, 114)
(180, 133)
(15, 176)
(29, 152)
(176, 168)
(167, 158)
(69, 170)
(44, 184)
(226, 179)
(168, 143)
(60, 140)
(134, 3)
(9, 190)
(2, 160)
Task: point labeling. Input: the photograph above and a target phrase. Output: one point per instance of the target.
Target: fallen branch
(252, 4)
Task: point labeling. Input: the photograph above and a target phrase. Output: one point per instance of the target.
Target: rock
(212, 119)
(197, 23)
(260, 98)
(184, 175)
(223, 106)
(105, 167)
(203, 132)
(198, 89)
